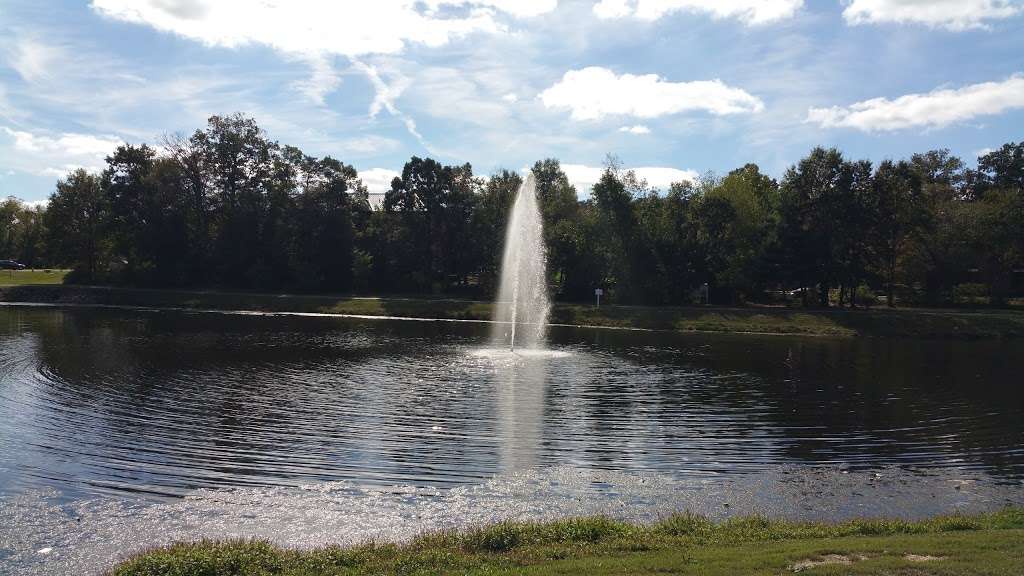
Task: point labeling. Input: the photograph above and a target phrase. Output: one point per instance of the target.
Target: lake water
(120, 429)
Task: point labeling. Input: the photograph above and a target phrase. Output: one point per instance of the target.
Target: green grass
(991, 544)
(903, 322)
(28, 277)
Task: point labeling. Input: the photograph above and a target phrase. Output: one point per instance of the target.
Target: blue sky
(672, 87)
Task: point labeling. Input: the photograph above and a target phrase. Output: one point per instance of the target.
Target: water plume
(522, 307)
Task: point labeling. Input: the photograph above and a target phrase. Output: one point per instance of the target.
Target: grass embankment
(916, 323)
(24, 277)
(991, 544)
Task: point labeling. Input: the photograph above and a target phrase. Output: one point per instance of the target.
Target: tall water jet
(522, 307)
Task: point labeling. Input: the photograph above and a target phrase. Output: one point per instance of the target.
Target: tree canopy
(228, 207)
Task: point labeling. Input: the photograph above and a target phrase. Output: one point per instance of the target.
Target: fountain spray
(522, 295)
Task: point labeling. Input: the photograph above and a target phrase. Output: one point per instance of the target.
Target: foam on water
(89, 536)
(519, 353)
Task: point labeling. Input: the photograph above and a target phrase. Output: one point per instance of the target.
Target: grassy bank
(27, 277)
(991, 544)
(919, 323)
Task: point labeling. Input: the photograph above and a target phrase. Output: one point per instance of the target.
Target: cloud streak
(384, 98)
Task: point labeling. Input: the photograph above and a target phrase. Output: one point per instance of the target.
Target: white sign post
(598, 292)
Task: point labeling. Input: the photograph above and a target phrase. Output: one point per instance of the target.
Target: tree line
(228, 207)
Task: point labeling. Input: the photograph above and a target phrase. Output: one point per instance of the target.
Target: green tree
(805, 233)
(76, 219)
(129, 195)
(825, 214)
(22, 233)
(559, 208)
(939, 251)
(897, 195)
(613, 197)
(716, 238)
(740, 253)
(996, 238)
(435, 203)
(324, 231)
(1003, 169)
(10, 210)
(489, 223)
(585, 255)
(191, 178)
(238, 163)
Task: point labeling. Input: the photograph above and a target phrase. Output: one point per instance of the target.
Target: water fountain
(522, 306)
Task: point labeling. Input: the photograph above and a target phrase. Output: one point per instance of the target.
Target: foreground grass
(915, 323)
(991, 544)
(23, 277)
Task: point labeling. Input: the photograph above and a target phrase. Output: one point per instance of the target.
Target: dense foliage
(228, 207)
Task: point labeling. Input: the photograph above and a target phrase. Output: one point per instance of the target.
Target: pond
(121, 428)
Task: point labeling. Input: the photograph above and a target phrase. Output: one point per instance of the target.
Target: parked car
(11, 265)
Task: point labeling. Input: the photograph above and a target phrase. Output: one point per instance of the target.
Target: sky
(672, 88)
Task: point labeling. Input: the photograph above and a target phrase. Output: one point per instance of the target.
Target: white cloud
(366, 145)
(53, 155)
(378, 180)
(510, 97)
(7, 111)
(31, 59)
(954, 15)
(314, 28)
(749, 11)
(323, 80)
(584, 177)
(984, 152)
(935, 109)
(612, 9)
(68, 143)
(104, 93)
(638, 129)
(662, 177)
(456, 95)
(595, 92)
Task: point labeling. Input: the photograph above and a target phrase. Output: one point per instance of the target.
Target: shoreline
(895, 323)
(269, 314)
(898, 323)
(89, 534)
(677, 544)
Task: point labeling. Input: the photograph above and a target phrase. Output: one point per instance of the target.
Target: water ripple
(167, 403)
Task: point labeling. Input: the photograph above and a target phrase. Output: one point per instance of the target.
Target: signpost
(598, 292)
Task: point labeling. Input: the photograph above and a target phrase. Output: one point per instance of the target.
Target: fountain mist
(522, 306)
